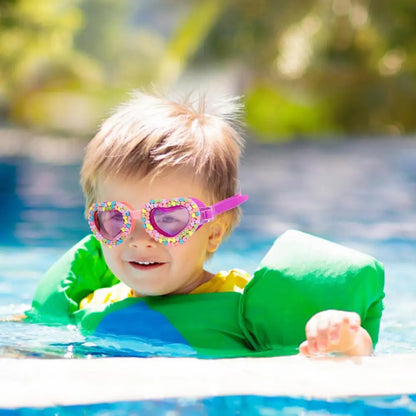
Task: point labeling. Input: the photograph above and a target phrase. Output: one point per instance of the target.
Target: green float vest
(299, 276)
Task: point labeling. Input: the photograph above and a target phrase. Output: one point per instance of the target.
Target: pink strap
(208, 213)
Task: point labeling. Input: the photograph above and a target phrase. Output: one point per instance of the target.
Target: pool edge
(52, 382)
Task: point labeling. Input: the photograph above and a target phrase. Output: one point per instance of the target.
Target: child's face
(177, 269)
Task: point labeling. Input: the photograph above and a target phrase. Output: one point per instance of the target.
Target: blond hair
(151, 134)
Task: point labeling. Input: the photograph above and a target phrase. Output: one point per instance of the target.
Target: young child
(155, 163)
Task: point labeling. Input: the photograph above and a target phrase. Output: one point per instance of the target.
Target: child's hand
(336, 331)
(13, 318)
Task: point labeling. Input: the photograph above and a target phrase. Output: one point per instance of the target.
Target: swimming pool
(238, 405)
(358, 193)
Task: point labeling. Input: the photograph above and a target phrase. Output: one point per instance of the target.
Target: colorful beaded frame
(152, 229)
(110, 206)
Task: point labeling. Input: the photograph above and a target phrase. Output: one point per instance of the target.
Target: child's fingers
(13, 318)
(354, 320)
(323, 328)
(350, 321)
(328, 331)
(303, 348)
(342, 324)
(312, 335)
(335, 329)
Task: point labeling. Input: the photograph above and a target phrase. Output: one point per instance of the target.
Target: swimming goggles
(168, 221)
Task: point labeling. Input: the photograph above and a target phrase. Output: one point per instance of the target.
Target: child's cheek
(112, 257)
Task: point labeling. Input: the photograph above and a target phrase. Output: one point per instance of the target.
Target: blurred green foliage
(304, 67)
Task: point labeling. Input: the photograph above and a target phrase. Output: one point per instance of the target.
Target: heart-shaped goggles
(168, 221)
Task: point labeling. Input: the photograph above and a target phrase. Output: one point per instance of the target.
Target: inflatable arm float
(299, 276)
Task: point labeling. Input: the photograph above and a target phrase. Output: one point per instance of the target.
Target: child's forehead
(139, 189)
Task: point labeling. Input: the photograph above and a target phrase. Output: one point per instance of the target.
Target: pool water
(237, 405)
(358, 193)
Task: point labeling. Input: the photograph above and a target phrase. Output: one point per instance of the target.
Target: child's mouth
(145, 265)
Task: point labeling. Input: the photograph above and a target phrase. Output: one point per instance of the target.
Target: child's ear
(216, 234)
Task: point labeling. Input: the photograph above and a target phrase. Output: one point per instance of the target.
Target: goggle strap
(208, 213)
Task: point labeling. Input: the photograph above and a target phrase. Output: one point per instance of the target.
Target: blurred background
(305, 68)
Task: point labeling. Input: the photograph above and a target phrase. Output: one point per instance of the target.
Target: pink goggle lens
(109, 223)
(169, 221)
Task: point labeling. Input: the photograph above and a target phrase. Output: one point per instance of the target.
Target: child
(163, 161)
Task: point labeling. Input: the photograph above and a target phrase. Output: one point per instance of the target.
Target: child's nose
(139, 237)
